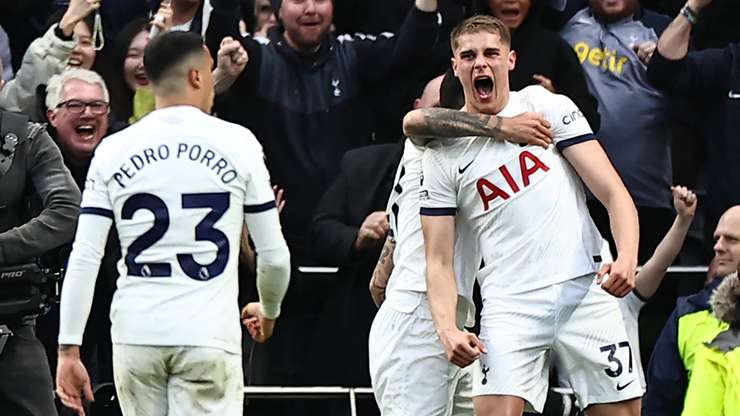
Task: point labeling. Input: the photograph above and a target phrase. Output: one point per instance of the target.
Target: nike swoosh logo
(733, 95)
(620, 388)
(464, 168)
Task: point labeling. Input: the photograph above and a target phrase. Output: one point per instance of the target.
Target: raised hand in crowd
(698, 5)
(545, 82)
(231, 61)
(684, 200)
(162, 20)
(372, 231)
(76, 11)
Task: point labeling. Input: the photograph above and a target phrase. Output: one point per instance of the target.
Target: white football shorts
(178, 381)
(577, 322)
(409, 369)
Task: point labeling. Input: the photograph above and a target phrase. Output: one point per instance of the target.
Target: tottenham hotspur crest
(337, 90)
(8, 143)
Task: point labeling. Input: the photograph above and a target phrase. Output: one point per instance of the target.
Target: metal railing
(268, 392)
(352, 393)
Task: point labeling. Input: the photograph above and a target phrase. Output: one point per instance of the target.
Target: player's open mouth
(75, 61)
(86, 131)
(483, 87)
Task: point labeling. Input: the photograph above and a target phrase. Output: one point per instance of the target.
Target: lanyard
(98, 36)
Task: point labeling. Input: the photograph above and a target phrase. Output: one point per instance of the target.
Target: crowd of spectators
(323, 79)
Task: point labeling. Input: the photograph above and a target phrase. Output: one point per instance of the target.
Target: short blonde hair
(55, 87)
(480, 23)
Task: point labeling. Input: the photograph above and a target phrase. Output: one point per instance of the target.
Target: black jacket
(36, 168)
(362, 187)
(712, 79)
(308, 110)
(540, 51)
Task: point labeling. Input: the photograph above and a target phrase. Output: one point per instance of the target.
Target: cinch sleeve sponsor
(569, 126)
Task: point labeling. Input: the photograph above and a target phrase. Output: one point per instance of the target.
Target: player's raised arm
(649, 278)
(593, 166)
(424, 124)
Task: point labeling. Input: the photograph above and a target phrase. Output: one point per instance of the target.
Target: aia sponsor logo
(502, 183)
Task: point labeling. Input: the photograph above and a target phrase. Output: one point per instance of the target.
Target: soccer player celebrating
(178, 185)
(540, 248)
(407, 360)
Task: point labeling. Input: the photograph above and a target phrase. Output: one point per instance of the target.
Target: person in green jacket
(714, 388)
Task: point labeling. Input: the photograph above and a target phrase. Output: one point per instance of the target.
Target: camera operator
(30, 163)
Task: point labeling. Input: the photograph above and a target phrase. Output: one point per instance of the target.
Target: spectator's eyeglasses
(78, 107)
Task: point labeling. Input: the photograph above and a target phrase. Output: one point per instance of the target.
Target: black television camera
(27, 289)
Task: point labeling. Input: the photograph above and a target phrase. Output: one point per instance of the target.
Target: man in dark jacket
(79, 115)
(303, 93)
(29, 162)
(542, 56)
(712, 78)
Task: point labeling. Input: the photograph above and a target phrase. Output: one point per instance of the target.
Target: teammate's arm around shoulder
(594, 167)
(425, 124)
(273, 257)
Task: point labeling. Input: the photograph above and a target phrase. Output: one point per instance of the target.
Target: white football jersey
(525, 204)
(409, 261)
(177, 185)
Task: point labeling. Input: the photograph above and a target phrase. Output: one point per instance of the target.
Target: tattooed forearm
(441, 123)
(382, 271)
(69, 350)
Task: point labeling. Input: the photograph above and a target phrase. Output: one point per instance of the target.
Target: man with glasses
(78, 110)
(77, 102)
